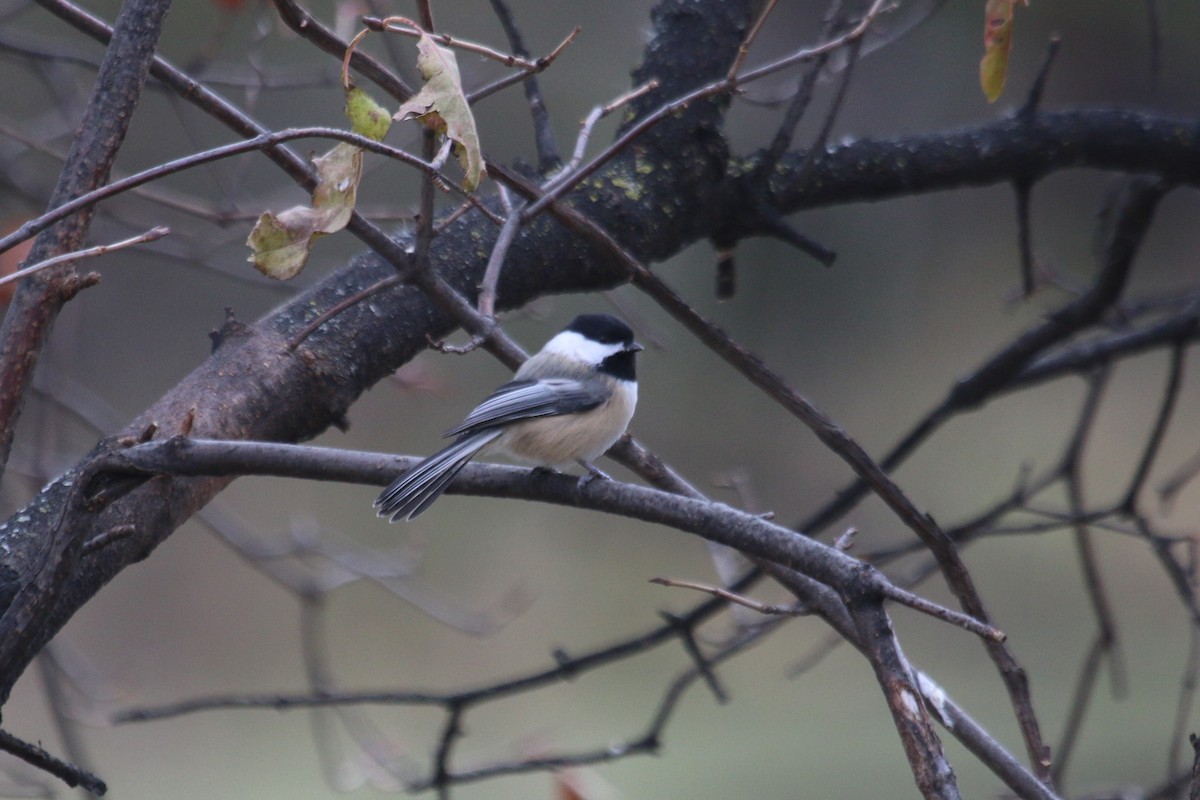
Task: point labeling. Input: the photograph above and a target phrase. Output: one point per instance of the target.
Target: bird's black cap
(602, 328)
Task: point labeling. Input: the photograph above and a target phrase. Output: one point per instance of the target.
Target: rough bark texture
(35, 306)
(654, 198)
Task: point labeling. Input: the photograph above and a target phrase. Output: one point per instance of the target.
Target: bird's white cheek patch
(580, 348)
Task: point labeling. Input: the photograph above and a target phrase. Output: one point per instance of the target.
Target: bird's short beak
(634, 347)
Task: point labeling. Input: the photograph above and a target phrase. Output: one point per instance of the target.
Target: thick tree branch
(714, 521)
(102, 130)
(255, 387)
(1031, 147)
(298, 370)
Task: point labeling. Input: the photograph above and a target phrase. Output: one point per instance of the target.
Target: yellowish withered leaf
(997, 42)
(280, 243)
(366, 116)
(338, 174)
(442, 105)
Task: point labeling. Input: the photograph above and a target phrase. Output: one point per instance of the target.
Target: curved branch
(714, 521)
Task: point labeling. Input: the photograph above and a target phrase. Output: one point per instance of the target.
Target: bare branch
(69, 774)
(406, 27)
(644, 123)
(744, 50)
(1154, 443)
(732, 597)
(713, 521)
(312, 29)
(543, 133)
(266, 141)
(491, 273)
(151, 235)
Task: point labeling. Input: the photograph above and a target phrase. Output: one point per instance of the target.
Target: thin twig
(979, 626)
(151, 235)
(1077, 710)
(816, 147)
(491, 274)
(803, 95)
(407, 27)
(543, 63)
(543, 131)
(313, 30)
(263, 142)
(1106, 621)
(1187, 698)
(67, 773)
(1038, 88)
(687, 636)
(588, 124)
(733, 597)
(63, 672)
(333, 311)
(744, 49)
(815, 656)
(1161, 422)
(1182, 477)
(1024, 189)
(217, 214)
(720, 87)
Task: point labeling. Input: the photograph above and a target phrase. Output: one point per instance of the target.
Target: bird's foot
(593, 472)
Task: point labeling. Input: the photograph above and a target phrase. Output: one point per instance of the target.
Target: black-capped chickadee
(569, 403)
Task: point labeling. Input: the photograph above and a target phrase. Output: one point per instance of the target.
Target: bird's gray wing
(533, 398)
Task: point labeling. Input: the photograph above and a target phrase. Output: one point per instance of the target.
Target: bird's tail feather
(414, 491)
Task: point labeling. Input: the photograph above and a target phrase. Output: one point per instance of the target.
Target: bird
(567, 404)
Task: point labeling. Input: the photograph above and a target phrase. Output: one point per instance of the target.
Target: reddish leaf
(10, 260)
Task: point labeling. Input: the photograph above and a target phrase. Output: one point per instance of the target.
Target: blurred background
(924, 289)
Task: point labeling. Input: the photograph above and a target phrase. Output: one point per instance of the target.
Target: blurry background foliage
(921, 293)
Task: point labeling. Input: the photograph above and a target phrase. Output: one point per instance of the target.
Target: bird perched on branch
(569, 403)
